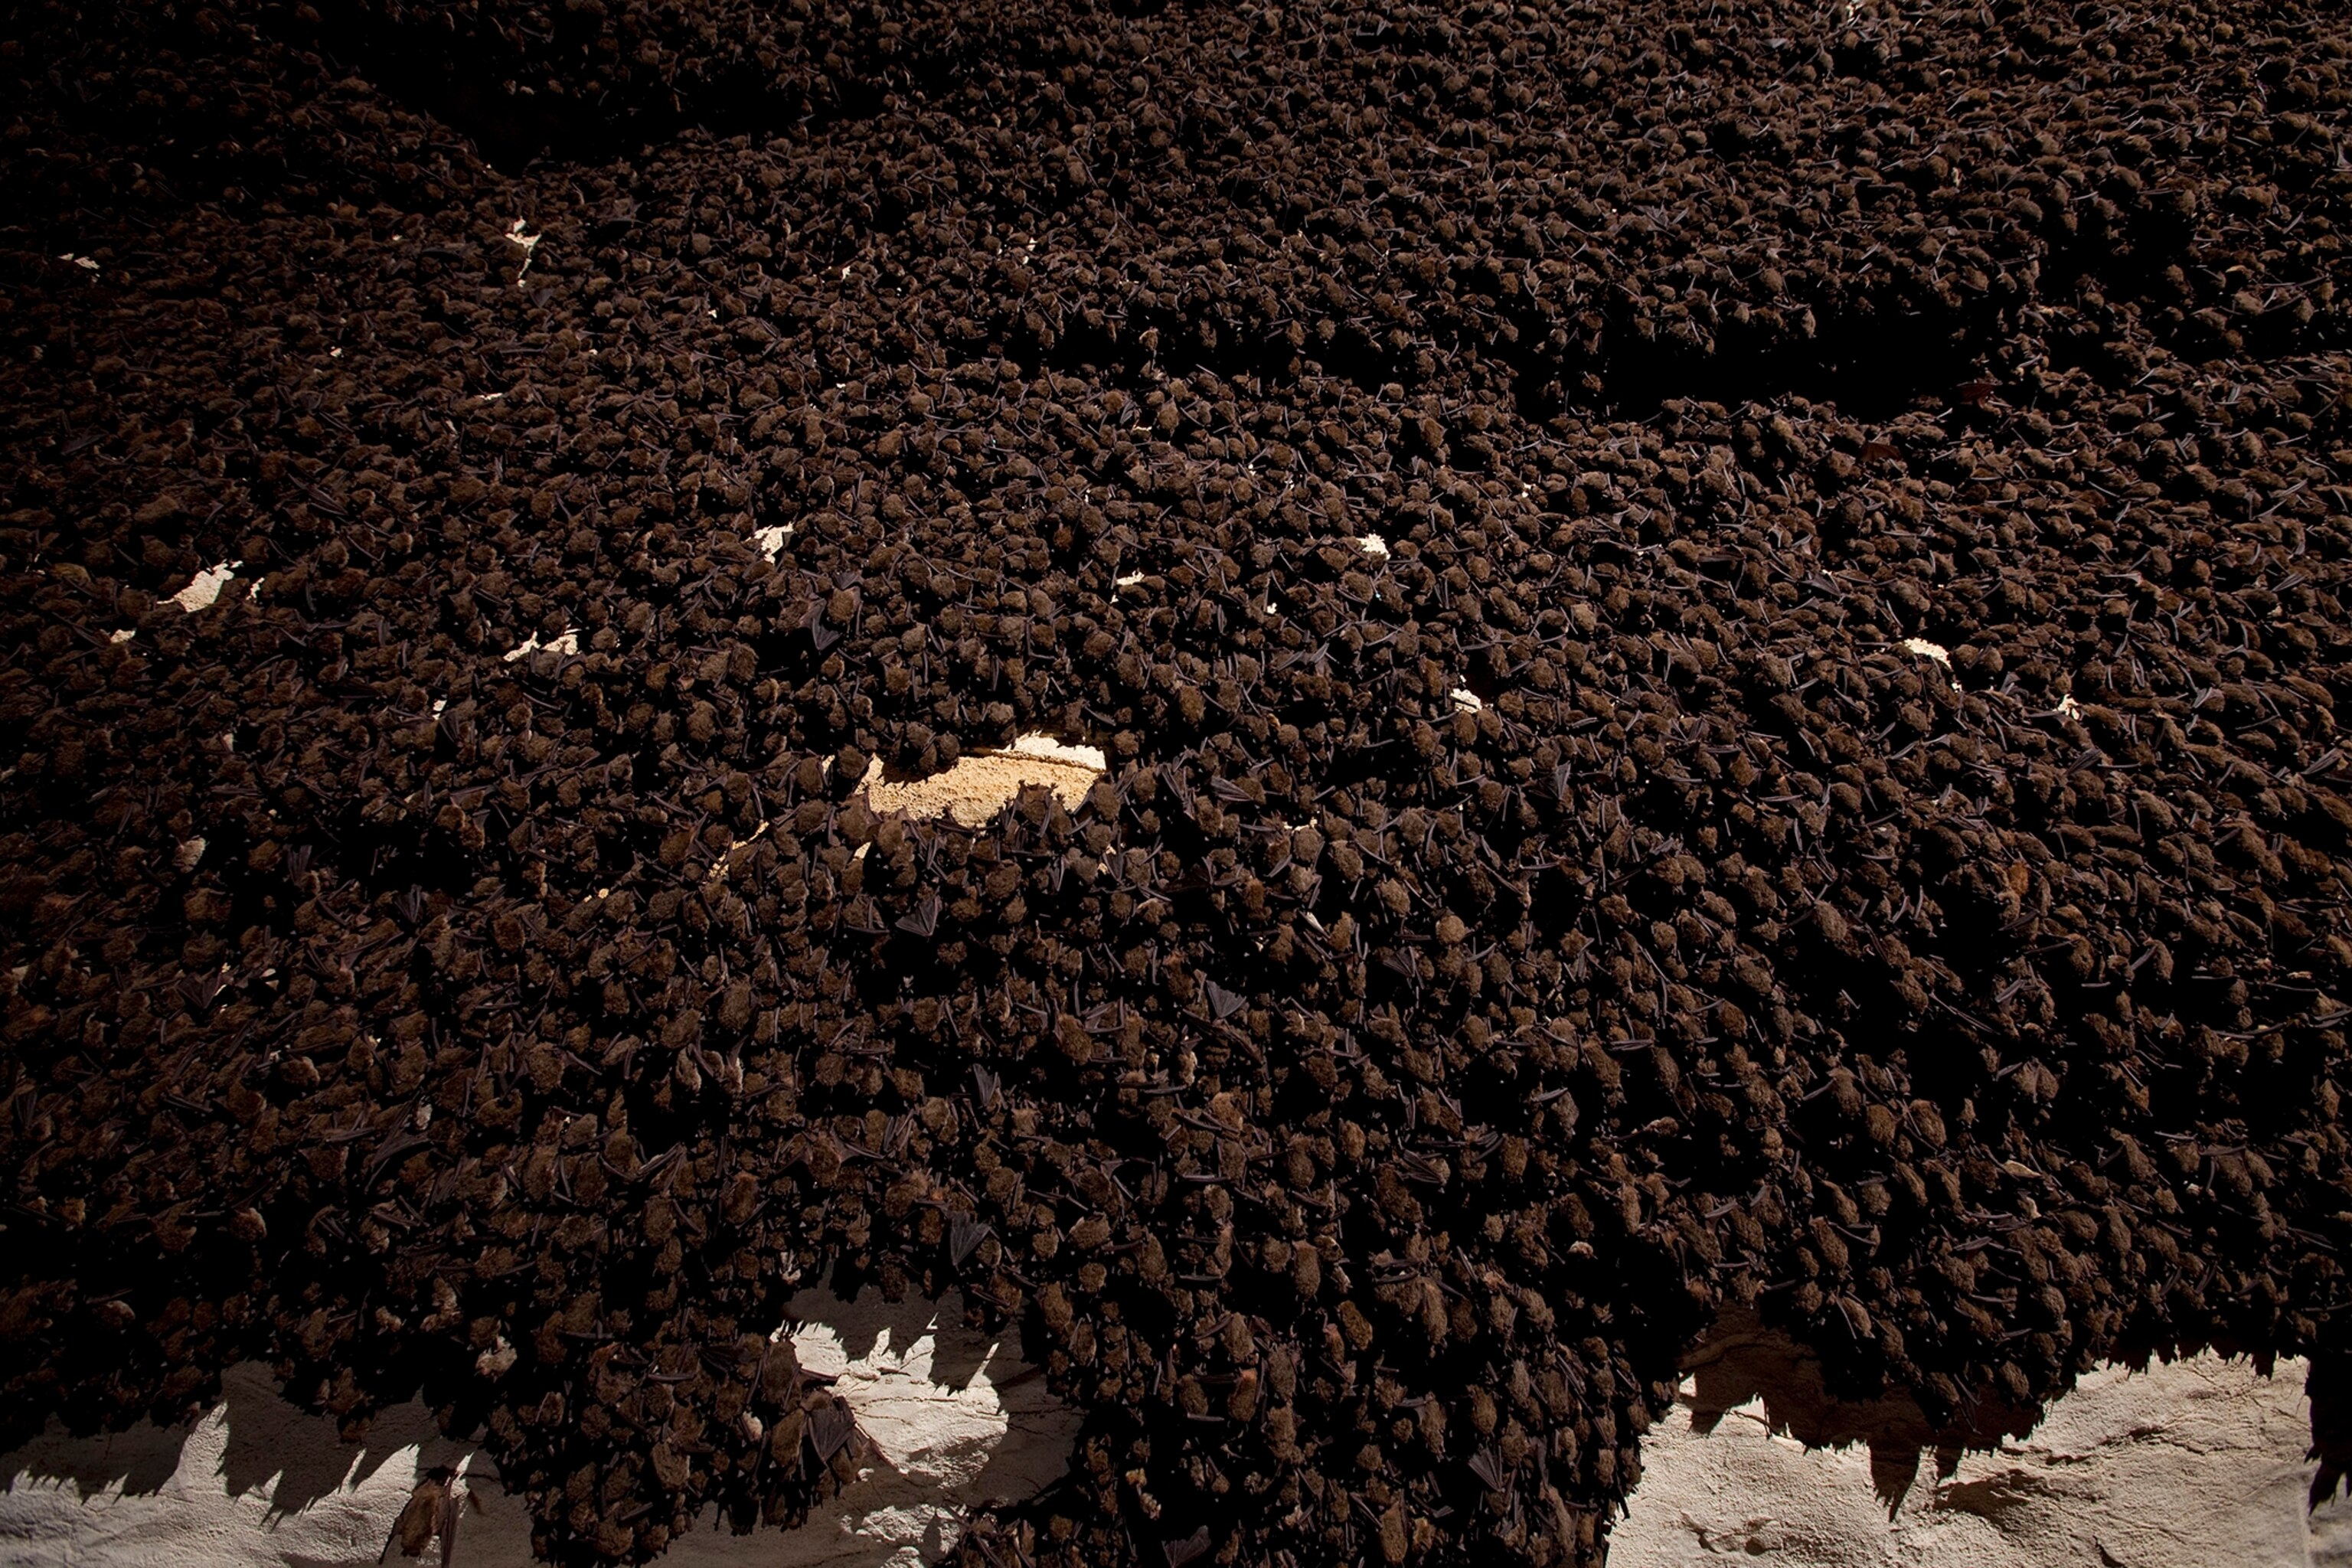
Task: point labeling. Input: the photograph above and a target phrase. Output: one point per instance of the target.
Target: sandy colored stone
(2194, 1464)
(955, 1420)
(567, 645)
(204, 589)
(973, 790)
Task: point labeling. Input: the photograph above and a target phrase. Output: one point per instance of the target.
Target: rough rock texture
(976, 789)
(2183, 1465)
(1478, 965)
(954, 1421)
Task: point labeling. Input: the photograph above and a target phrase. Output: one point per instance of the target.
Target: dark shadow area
(2328, 1387)
(491, 81)
(1741, 1360)
(270, 1447)
(958, 1352)
(298, 1461)
(1874, 359)
(139, 1461)
(308, 1459)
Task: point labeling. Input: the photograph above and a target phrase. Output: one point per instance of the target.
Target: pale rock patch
(974, 788)
(2189, 1464)
(1926, 650)
(526, 243)
(567, 645)
(204, 589)
(770, 541)
(1936, 652)
(955, 1420)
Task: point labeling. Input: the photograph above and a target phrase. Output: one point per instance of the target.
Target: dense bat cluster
(1827, 795)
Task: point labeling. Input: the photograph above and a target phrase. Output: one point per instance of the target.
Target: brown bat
(432, 1510)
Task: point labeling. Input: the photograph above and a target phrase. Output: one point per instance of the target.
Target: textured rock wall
(2191, 1465)
(2196, 1464)
(952, 1420)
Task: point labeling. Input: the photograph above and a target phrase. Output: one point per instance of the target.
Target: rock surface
(2193, 1463)
(2187, 1465)
(974, 789)
(954, 1420)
